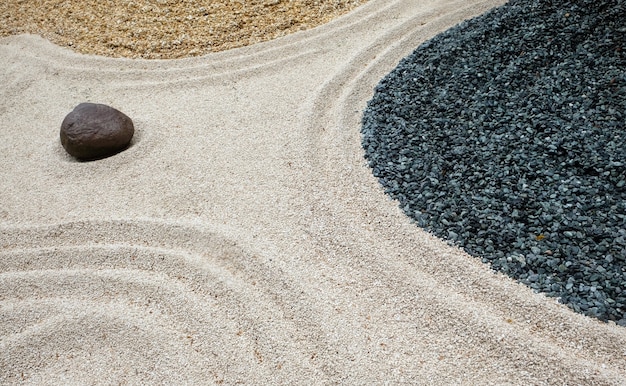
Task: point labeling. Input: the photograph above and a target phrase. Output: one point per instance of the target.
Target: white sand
(242, 238)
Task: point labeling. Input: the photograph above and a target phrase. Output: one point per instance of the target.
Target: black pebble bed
(506, 136)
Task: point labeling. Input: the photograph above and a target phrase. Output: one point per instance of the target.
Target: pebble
(94, 131)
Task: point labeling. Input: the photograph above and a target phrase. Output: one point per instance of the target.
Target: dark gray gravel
(506, 135)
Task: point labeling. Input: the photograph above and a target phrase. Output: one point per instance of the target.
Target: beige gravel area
(164, 29)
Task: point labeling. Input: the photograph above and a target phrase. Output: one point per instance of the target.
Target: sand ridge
(242, 238)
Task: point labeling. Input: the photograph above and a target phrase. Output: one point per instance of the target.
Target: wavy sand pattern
(241, 238)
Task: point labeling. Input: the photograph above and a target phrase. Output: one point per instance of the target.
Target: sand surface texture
(242, 239)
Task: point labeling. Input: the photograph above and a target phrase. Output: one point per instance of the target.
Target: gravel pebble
(164, 29)
(506, 135)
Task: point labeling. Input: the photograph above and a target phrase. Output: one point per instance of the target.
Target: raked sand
(242, 239)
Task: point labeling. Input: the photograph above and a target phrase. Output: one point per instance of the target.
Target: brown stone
(94, 131)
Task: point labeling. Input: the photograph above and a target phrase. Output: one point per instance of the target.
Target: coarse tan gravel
(164, 29)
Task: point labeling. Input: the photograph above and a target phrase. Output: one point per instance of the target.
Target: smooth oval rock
(94, 131)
